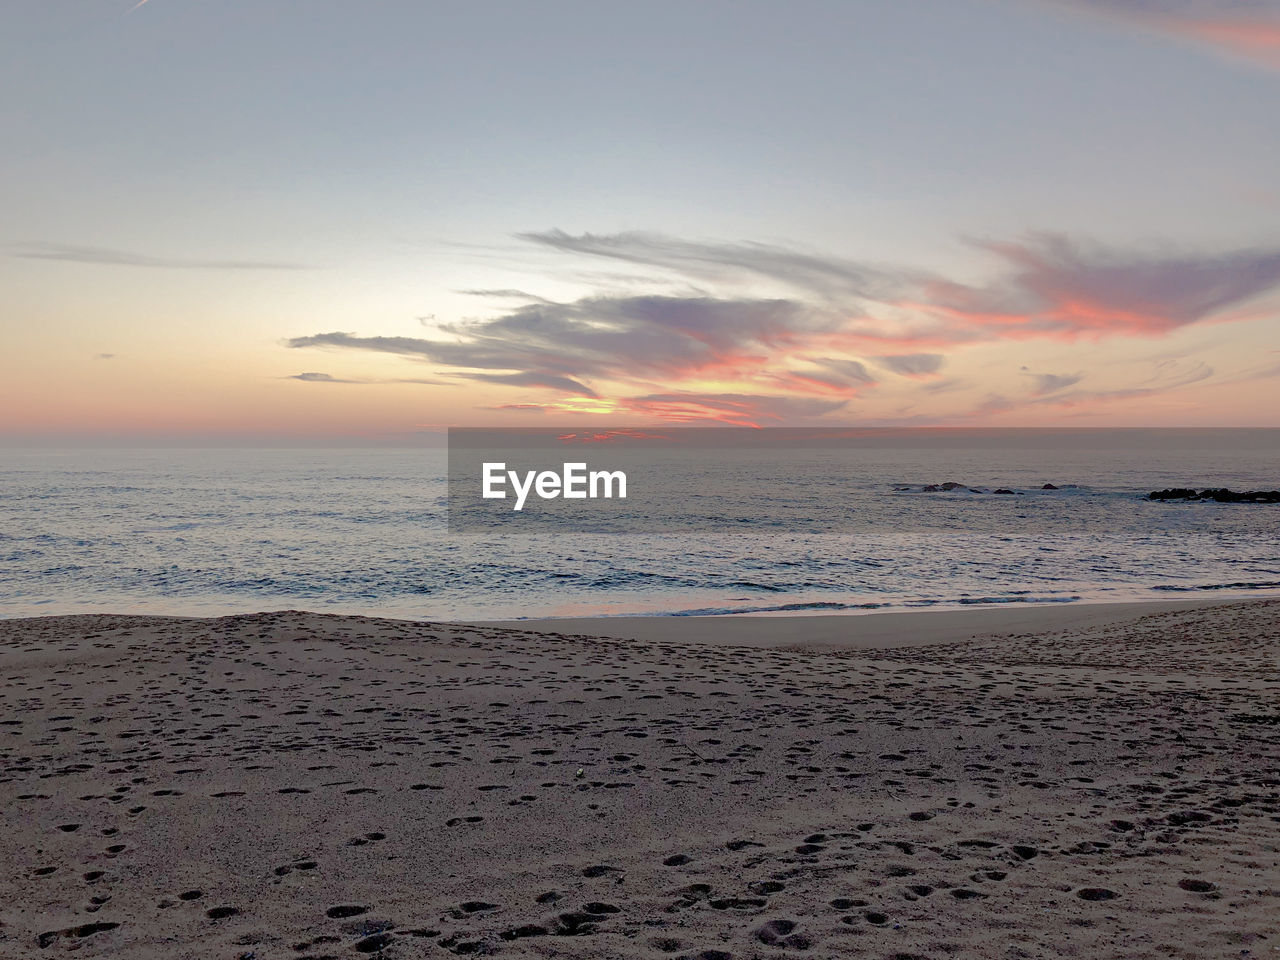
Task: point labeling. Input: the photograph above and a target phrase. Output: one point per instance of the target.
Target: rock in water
(1216, 495)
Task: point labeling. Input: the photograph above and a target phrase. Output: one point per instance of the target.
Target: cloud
(1172, 377)
(1165, 376)
(119, 258)
(1051, 286)
(1248, 29)
(828, 375)
(845, 371)
(728, 409)
(609, 436)
(1052, 382)
(560, 344)
(824, 323)
(827, 277)
(1057, 288)
(1256, 373)
(320, 378)
(912, 364)
(505, 294)
(561, 384)
(733, 409)
(944, 386)
(104, 356)
(328, 378)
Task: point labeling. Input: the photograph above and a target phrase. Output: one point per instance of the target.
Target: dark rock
(1048, 486)
(1004, 491)
(1216, 495)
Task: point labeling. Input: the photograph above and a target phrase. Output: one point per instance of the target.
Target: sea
(215, 531)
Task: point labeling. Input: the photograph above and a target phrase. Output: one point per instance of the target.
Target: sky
(332, 221)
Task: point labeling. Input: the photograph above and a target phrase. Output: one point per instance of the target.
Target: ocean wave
(1242, 585)
(838, 605)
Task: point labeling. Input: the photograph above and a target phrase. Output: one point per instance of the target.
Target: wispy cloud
(912, 364)
(1171, 376)
(320, 378)
(104, 256)
(792, 332)
(607, 337)
(541, 380)
(730, 409)
(1050, 286)
(329, 378)
(1046, 383)
(1247, 29)
(822, 277)
(1052, 390)
(1057, 288)
(506, 294)
(832, 375)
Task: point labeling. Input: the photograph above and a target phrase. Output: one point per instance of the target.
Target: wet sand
(880, 628)
(297, 785)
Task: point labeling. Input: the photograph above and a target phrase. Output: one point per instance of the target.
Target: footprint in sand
(344, 910)
(1096, 893)
(1197, 886)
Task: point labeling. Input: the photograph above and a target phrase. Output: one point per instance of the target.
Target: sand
(879, 628)
(290, 785)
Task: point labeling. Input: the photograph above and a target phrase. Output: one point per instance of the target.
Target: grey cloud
(1065, 288)
(615, 337)
(119, 258)
(842, 372)
(319, 378)
(829, 277)
(505, 294)
(1053, 382)
(832, 375)
(993, 403)
(1053, 286)
(563, 384)
(912, 364)
(1167, 377)
(328, 378)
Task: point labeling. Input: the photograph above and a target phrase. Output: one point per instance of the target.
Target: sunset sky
(368, 219)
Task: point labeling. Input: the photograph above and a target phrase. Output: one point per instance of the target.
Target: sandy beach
(1087, 783)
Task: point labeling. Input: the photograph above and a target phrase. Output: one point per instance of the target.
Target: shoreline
(852, 629)
(870, 629)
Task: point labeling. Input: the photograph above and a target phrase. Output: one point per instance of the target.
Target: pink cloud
(1245, 29)
(735, 358)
